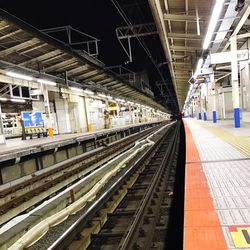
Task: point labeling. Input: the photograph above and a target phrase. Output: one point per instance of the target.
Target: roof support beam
(185, 36)
(42, 57)
(183, 18)
(92, 72)
(64, 67)
(10, 34)
(183, 48)
(102, 82)
(59, 65)
(96, 77)
(19, 46)
(115, 82)
(182, 64)
(33, 48)
(76, 70)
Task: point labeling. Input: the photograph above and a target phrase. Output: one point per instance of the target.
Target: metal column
(2, 137)
(235, 83)
(47, 109)
(214, 98)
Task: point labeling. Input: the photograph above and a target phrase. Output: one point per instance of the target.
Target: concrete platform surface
(14, 146)
(226, 167)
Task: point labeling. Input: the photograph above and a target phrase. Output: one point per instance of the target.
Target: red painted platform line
(202, 228)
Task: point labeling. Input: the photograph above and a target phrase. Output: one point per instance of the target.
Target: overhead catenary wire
(143, 45)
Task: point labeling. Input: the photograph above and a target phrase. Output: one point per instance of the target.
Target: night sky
(98, 18)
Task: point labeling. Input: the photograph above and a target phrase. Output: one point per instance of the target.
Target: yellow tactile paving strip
(239, 142)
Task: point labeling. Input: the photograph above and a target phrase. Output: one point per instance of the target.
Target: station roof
(182, 36)
(24, 48)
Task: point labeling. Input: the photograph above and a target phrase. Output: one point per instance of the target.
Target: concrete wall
(83, 126)
(63, 118)
(95, 113)
(224, 104)
(38, 106)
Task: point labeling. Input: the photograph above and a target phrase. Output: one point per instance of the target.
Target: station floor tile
(225, 162)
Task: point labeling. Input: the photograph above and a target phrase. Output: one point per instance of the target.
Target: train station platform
(217, 189)
(17, 147)
(19, 158)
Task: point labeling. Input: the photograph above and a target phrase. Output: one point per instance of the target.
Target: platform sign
(32, 119)
(225, 57)
(240, 236)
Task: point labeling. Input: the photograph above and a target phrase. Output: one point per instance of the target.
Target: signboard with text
(32, 119)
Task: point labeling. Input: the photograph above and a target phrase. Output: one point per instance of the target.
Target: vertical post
(235, 84)
(130, 115)
(193, 107)
(214, 109)
(199, 114)
(223, 106)
(214, 98)
(204, 90)
(47, 109)
(2, 137)
(87, 114)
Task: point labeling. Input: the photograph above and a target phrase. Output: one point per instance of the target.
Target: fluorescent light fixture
(102, 95)
(4, 99)
(199, 64)
(213, 21)
(88, 92)
(76, 89)
(47, 82)
(120, 100)
(17, 100)
(19, 76)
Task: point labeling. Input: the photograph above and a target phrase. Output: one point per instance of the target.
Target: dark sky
(98, 18)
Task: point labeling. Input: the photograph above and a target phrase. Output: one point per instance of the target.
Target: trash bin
(50, 132)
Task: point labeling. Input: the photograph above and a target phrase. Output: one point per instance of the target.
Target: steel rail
(75, 229)
(61, 167)
(127, 241)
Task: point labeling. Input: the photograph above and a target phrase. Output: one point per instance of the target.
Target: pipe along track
(18, 198)
(128, 208)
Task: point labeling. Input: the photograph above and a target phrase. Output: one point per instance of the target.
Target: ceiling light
(76, 89)
(17, 100)
(213, 21)
(88, 92)
(47, 82)
(102, 95)
(120, 100)
(19, 76)
(109, 97)
(198, 67)
(4, 99)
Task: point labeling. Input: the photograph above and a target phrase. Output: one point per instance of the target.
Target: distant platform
(14, 148)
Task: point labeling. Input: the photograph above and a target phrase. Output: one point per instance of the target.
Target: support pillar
(200, 108)
(47, 109)
(2, 137)
(130, 114)
(235, 83)
(87, 115)
(214, 98)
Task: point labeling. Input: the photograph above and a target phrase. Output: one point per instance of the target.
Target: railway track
(132, 211)
(22, 196)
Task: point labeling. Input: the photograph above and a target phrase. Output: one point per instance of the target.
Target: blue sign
(32, 119)
(207, 79)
